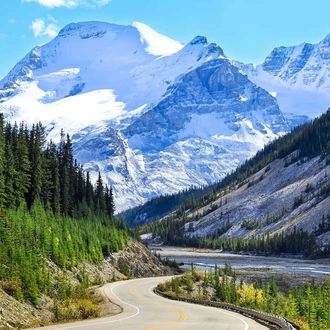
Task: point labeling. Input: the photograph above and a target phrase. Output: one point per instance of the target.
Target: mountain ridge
(299, 77)
(143, 117)
(283, 190)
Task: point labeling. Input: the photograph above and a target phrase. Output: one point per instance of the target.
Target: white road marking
(105, 321)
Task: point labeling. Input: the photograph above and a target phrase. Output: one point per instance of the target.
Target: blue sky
(247, 30)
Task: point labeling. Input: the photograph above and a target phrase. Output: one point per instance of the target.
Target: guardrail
(273, 319)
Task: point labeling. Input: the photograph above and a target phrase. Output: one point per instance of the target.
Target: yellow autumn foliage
(250, 296)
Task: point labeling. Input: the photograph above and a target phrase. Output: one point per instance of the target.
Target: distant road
(143, 309)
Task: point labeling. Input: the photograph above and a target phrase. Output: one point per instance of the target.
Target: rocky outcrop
(16, 315)
(137, 261)
(216, 87)
(301, 66)
(298, 76)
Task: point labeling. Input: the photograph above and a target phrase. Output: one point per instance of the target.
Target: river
(207, 258)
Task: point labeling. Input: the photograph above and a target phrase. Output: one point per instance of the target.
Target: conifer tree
(109, 201)
(65, 167)
(99, 196)
(22, 166)
(10, 173)
(2, 159)
(37, 140)
(89, 192)
(51, 155)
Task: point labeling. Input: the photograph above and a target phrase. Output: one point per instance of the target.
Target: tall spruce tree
(37, 141)
(66, 171)
(22, 165)
(52, 161)
(89, 192)
(10, 173)
(109, 201)
(99, 196)
(2, 156)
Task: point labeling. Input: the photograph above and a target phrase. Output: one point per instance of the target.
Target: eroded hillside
(284, 195)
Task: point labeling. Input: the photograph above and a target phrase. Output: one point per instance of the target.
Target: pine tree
(10, 172)
(37, 141)
(52, 158)
(66, 171)
(2, 160)
(99, 196)
(89, 192)
(22, 166)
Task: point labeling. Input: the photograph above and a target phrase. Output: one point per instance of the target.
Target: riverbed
(204, 259)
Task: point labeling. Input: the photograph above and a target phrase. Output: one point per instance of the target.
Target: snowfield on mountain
(154, 116)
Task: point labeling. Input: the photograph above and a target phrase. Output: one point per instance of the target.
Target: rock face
(211, 119)
(136, 261)
(154, 116)
(301, 65)
(269, 198)
(299, 77)
(16, 315)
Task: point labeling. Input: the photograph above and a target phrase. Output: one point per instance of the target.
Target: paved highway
(143, 309)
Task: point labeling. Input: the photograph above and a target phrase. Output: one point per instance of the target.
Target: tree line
(32, 169)
(298, 242)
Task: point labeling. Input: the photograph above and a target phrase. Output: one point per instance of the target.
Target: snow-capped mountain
(153, 115)
(299, 77)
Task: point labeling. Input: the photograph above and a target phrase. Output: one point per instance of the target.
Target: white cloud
(101, 3)
(57, 3)
(70, 3)
(3, 35)
(51, 30)
(41, 28)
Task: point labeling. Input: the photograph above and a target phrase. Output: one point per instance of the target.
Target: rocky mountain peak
(199, 40)
(326, 40)
(153, 116)
(86, 29)
(298, 76)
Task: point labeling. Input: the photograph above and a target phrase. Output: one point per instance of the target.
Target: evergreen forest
(49, 212)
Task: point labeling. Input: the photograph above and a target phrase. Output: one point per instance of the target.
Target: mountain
(152, 115)
(299, 77)
(282, 192)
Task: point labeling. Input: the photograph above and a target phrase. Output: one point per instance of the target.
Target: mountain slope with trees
(53, 223)
(49, 209)
(276, 202)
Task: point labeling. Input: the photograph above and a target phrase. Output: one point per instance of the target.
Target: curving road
(143, 309)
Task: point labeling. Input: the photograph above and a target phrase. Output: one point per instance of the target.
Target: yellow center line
(182, 318)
